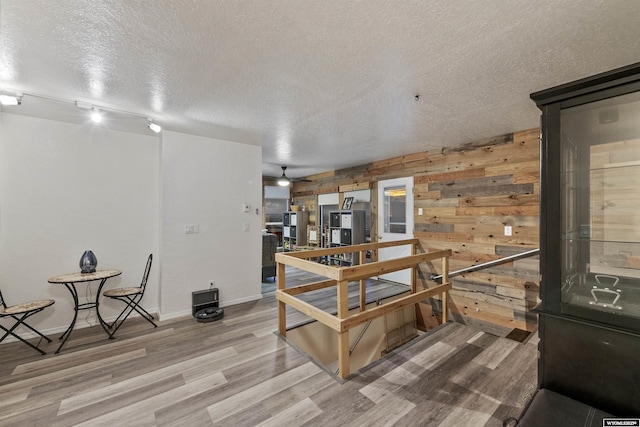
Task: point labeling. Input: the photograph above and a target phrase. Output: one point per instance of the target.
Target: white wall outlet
(245, 207)
(191, 228)
(420, 211)
(508, 231)
(245, 226)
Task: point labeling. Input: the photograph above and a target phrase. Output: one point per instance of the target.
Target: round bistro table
(69, 281)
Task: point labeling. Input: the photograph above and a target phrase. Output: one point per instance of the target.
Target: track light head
(7, 99)
(154, 126)
(96, 116)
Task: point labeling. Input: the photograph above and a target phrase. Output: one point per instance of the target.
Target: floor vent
(518, 335)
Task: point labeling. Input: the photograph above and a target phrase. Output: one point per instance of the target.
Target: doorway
(395, 222)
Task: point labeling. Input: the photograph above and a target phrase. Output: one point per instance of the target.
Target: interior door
(395, 222)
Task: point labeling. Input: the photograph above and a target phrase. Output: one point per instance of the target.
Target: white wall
(206, 181)
(65, 188)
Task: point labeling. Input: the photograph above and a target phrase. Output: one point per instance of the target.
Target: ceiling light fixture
(283, 181)
(96, 117)
(154, 126)
(6, 99)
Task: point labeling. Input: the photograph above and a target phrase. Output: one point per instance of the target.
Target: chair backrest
(269, 247)
(147, 270)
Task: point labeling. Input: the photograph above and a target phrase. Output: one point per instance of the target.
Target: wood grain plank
(241, 401)
(26, 384)
(296, 415)
(451, 176)
(493, 356)
(388, 412)
(49, 395)
(143, 412)
(182, 368)
(476, 410)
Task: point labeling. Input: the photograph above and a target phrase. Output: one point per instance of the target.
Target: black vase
(88, 262)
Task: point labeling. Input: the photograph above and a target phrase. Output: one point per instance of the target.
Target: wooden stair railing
(341, 276)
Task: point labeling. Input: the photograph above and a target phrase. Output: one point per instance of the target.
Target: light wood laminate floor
(237, 372)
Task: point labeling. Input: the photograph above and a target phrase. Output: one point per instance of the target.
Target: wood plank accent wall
(468, 194)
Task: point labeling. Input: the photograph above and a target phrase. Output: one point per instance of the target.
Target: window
(276, 202)
(395, 199)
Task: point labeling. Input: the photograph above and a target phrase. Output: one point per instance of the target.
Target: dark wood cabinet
(589, 317)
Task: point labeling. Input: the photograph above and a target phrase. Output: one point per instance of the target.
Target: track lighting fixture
(8, 97)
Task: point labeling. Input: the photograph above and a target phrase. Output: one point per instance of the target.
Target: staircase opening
(368, 342)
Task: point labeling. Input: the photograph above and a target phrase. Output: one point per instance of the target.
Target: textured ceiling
(320, 85)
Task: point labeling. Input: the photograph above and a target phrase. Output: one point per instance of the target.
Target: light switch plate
(191, 228)
(508, 231)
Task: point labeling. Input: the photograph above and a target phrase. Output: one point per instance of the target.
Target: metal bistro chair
(131, 297)
(19, 313)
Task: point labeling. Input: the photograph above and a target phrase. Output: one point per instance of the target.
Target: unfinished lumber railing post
(414, 270)
(445, 294)
(343, 336)
(362, 258)
(282, 306)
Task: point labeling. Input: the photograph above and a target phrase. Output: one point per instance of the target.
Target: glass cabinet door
(600, 206)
